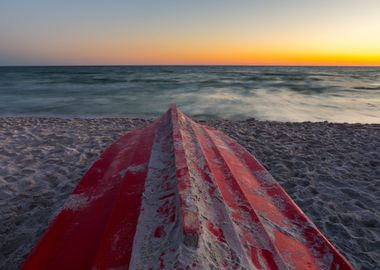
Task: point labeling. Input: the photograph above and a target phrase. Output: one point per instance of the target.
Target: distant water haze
(335, 94)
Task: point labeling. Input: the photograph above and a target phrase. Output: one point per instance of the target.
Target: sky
(196, 32)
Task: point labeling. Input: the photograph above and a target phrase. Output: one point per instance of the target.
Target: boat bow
(180, 195)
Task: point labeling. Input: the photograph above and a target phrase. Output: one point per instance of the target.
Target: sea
(279, 93)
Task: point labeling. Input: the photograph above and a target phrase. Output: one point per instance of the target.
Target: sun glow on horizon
(197, 33)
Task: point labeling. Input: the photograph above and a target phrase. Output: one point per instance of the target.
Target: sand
(332, 171)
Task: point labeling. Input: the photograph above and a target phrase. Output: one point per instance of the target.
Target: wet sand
(332, 171)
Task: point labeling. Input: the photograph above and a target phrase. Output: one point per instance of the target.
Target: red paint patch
(172, 218)
(269, 261)
(254, 258)
(167, 196)
(167, 209)
(216, 231)
(236, 215)
(162, 263)
(159, 232)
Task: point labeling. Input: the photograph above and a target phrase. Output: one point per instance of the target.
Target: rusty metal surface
(180, 195)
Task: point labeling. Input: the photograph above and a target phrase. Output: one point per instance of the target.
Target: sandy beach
(332, 171)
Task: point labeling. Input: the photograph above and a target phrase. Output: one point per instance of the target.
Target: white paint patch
(137, 168)
(265, 177)
(157, 242)
(76, 202)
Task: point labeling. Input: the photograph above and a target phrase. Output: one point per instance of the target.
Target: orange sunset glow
(238, 33)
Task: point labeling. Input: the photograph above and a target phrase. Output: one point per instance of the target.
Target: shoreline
(147, 118)
(331, 170)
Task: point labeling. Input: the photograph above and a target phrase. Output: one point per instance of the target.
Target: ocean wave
(267, 93)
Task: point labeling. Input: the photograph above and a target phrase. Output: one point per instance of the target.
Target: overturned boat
(180, 195)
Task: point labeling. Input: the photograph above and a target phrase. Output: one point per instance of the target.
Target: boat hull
(180, 195)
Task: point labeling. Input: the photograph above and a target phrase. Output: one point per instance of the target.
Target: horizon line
(183, 65)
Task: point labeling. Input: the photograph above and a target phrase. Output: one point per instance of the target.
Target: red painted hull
(180, 195)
